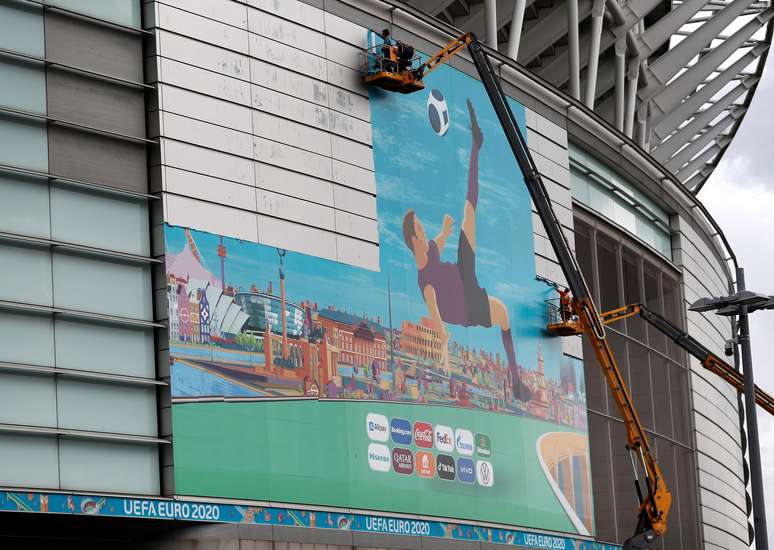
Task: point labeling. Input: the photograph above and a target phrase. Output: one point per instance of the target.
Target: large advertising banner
(428, 387)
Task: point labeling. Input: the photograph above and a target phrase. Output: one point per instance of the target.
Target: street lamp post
(756, 476)
(741, 304)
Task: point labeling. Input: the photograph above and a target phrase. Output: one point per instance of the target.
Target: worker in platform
(451, 291)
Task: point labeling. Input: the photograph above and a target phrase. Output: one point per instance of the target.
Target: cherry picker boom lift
(709, 360)
(385, 69)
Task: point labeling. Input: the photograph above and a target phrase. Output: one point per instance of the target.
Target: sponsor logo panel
(466, 470)
(483, 445)
(402, 461)
(379, 457)
(444, 439)
(484, 473)
(400, 430)
(446, 467)
(377, 427)
(425, 464)
(423, 435)
(463, 440)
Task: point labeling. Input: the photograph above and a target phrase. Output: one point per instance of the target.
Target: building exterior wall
(262, 132)
(77, 370)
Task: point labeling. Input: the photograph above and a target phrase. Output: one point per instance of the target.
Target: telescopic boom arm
(709, 360)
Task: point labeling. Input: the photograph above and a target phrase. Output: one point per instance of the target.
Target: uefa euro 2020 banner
(427, 387)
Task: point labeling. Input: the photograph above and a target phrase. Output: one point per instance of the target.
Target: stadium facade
(210, 323)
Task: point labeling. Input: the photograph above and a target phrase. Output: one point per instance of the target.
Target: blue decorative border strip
(59, 503)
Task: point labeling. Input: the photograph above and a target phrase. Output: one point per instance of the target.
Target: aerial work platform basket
(562, 320)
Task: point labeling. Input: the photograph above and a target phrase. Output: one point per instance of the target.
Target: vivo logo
(444, 439)
(376, 426)
(466, 470)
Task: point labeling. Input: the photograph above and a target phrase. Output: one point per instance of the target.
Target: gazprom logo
(379, 457)
(463, 439)
(376, 426)
(400, 429)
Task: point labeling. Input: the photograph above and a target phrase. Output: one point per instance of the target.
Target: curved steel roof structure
(677, 77)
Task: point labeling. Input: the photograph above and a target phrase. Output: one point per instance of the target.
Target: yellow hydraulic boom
(709, 360)
(389, 66)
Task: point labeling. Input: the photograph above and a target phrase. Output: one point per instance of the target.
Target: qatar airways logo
(423, 435)
(402, 461)
(444, 439)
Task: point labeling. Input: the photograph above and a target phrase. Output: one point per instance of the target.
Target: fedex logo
(423, 435)
(444, 439)
(377, 427)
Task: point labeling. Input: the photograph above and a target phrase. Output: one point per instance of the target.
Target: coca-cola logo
(402, 461)
(423, 435)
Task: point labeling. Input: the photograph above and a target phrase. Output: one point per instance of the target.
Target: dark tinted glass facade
(621, 271)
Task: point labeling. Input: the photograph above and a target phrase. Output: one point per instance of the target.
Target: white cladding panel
(264, 126)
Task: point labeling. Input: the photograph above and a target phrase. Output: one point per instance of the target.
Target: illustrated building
(248, 120)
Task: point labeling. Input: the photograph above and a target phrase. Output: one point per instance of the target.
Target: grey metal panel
(90, 157)
(380, 540)
(97, 48)
(315, 536)
(95, 102)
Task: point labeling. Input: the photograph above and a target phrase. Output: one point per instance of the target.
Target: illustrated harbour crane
(393, 66)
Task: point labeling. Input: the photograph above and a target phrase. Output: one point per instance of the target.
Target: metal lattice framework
(675, 76)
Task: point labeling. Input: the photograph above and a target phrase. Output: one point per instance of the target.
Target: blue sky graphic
(416, 168)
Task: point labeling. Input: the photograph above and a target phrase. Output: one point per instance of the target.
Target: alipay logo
(376, 425)
(444, 439)
(463, 439)
(400, 430)
(484, 473)
(466, 470)
(379, 457)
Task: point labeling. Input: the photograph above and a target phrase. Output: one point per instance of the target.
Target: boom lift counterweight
(382, 71)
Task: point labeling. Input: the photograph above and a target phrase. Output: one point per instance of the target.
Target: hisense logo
(379, 457)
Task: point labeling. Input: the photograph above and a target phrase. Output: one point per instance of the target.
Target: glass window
(105, 408)
(24, 85)
(602, 477)
(652, 277)
(21, 27)
(607, 259)
(85, 346)
(24, 205)
(112, 288)
(100, 220)
(635, 326)
(640, 386)
(23, 143)
(26, 339)
(106, 466)
(25, 275)
(659, 371)
(29, 461)
(27, 399)
(123, 12)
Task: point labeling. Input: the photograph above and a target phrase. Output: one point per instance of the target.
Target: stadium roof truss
(677, 77)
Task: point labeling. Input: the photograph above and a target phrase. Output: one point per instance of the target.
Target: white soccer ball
(438, 112)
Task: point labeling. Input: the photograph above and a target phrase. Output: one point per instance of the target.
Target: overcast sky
(740, 196)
